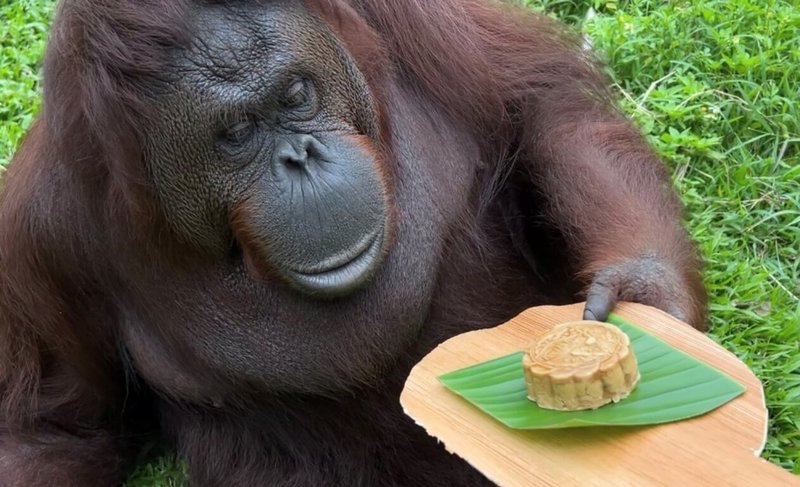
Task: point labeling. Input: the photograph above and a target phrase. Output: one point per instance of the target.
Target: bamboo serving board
(720, 448)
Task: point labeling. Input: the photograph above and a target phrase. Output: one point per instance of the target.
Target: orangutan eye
(238, 133)
(297, 95)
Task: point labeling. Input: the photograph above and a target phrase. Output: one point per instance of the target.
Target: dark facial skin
(265, 137)
(266, 157)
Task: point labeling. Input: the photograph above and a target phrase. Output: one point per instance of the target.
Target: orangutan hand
(646, 280)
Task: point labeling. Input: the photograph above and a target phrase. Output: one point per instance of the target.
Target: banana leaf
(673, 386)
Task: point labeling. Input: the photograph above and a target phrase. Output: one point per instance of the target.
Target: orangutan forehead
(243, 57)
(230, 41)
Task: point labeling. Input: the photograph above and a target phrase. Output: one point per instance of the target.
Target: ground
(714, 85)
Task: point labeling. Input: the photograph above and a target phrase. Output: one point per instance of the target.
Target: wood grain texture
(720, 448)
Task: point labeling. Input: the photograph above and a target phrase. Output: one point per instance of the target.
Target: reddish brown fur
(514, 80)
(503, 64)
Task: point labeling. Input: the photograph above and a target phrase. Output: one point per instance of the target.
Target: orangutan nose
(295, 151)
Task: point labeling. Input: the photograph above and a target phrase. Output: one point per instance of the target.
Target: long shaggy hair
(519, 83)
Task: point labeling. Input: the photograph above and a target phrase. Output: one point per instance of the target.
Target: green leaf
(673, 386)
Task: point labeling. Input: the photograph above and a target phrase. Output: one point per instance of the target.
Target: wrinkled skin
(283, 142)
(300, 192)
(308, 267)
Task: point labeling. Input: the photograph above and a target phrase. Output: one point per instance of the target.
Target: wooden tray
(721, 448)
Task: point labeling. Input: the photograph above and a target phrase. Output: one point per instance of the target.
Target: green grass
(714, 85)
(161, 471)
(23, 31)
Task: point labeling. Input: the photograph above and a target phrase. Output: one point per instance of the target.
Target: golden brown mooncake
(580, 365)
